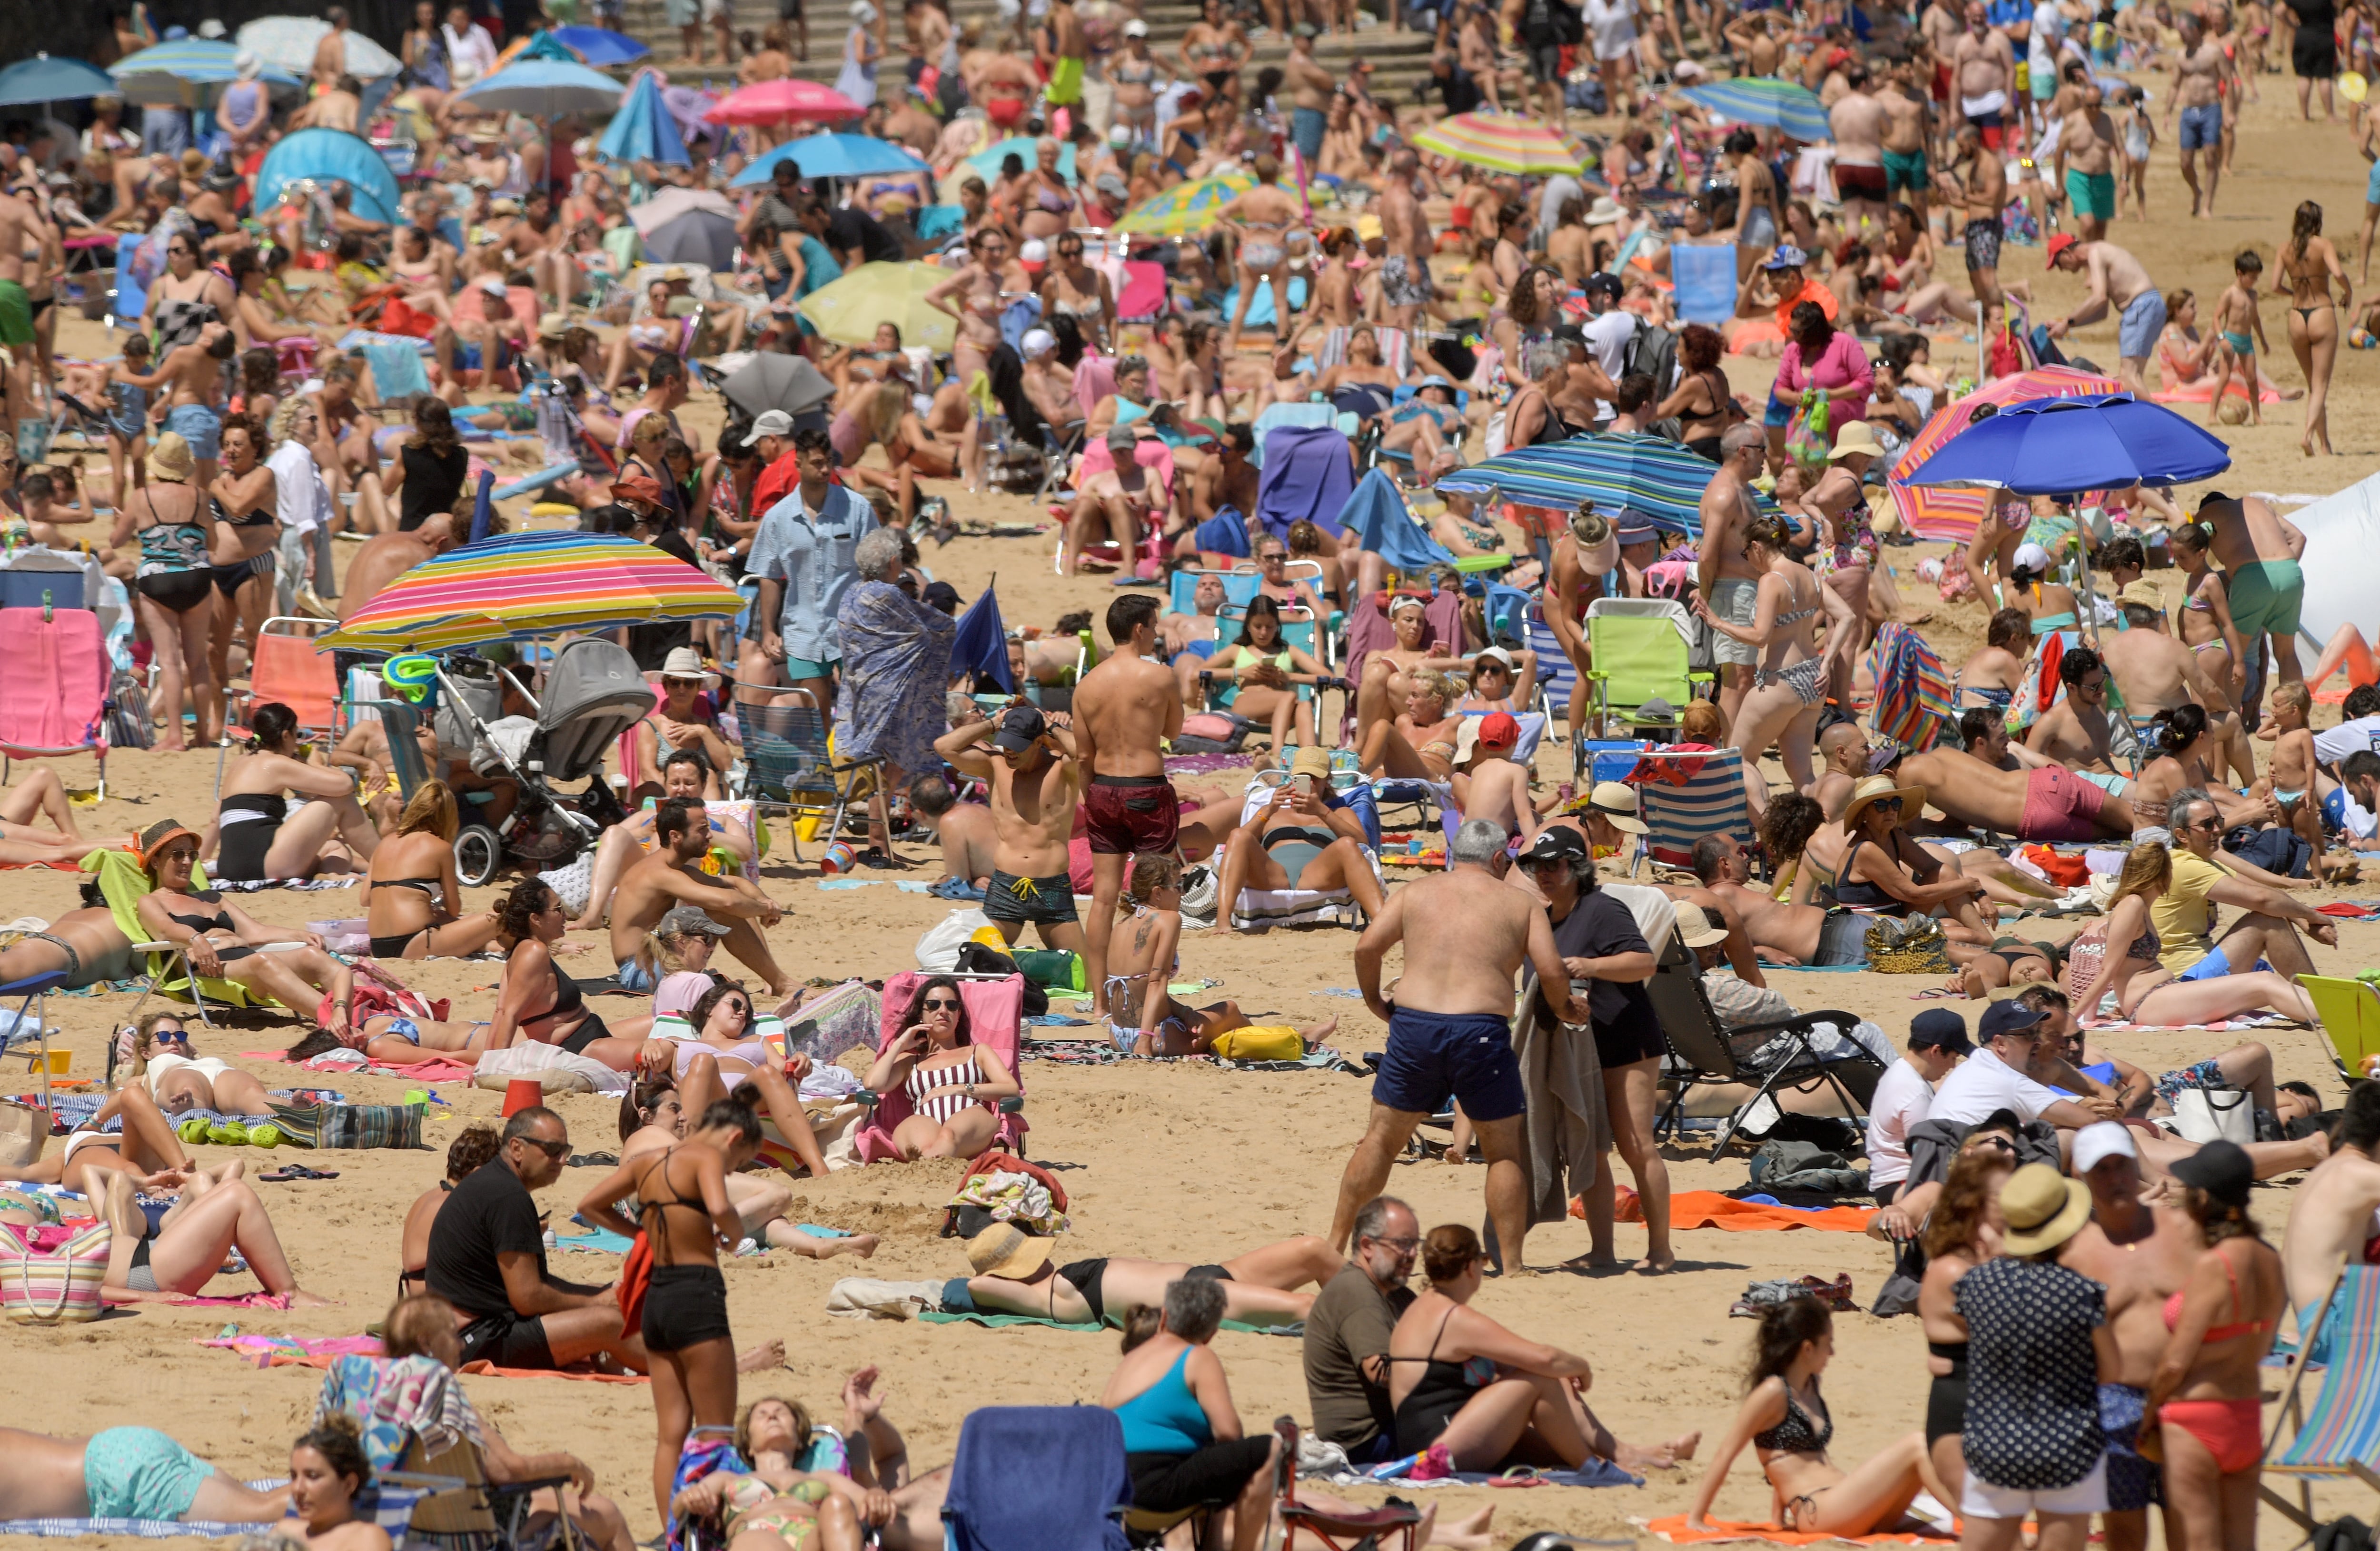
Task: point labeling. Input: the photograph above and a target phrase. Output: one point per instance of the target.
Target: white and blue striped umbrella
(1654, 475)
(1764, 99)
(545, 89)
(184, 73)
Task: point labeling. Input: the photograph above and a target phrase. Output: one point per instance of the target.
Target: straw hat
(1605, 210)
(684, 663)
(158, 836)
(170, 459)
(2142, 592)
(1857, 436)
(1006, 1250)
(1696, 929)
(2044, 1210)
(1616, 801)
(1876, 789)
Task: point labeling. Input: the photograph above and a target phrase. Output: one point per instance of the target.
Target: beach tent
(2341, 563)
(323, 155)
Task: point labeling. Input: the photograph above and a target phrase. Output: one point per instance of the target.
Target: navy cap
(1020, 728)
(1939, 1028)
(2007, 1017)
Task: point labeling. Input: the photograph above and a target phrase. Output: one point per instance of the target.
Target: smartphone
(1304, 785)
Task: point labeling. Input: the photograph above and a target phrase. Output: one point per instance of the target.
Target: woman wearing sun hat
(1847, 553)
(682, 721)
(2038, 1347)
(1884, 872)
(176, 587)
(1788, 684)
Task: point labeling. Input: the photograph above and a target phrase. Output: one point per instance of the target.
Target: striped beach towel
(1687, 796)
(1912, 689)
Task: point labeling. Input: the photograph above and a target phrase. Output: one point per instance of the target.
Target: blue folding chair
(1298, 628)
(1038, 1478)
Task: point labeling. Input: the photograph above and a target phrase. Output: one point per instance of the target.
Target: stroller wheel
(477, 855)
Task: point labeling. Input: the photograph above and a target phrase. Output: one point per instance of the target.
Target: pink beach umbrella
(779, 102)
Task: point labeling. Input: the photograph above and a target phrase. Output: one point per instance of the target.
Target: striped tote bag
(59, 1287)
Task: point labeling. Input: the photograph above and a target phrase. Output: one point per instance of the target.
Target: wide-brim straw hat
(2044, 1210)
(1876, 789)
(1006, 1250)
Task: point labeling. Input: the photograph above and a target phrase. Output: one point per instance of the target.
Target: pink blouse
(1842, 363)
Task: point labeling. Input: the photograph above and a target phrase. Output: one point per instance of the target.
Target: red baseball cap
(640, 486)
(2059, 244)
(1498, 730)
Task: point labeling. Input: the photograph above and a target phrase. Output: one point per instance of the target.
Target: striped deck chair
(1556, 675)
(1396, 349)
(2341, 1437)
(1912, 689)
(1687, 796)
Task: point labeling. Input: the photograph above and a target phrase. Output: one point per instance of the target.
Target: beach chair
(1702, 1050)
(54, 696)
(2350, 1012)
(1038, 1478)
(2341, 1437)
(283, 666)
(1705, 276)
(1298, 628)
(1685, 797)
(790, 763)
(995, 1011)
(168, 973)
(1556, 675)
(1393, 1524)
(1258, 909)
(1637, 650)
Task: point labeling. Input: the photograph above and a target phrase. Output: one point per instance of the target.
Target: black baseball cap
(2220, 1169)
(1603, 281)
(1020, 728)
(2007, 1017)
(1939, 1028)
(1557, 843)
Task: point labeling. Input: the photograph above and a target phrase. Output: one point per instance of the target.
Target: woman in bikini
(1784, 1419)
(1264, 672)
(1991, 678)
(1133, 72)
(1014, 1276)
(723, 1055)
(2133, 987)
(221, 940)
(2310, 267)
(532, 922)
(2180, 747)
(1418, 744)
(1046, 203)
(974, 294)
(241, 554)
(1883, 870)
(1701, 400)
(1263, 220)
(2049, 606)
(409, 891)
(953, 1084)
(161, 1055)
(1847, 551)
(1789, 685)
(1143, 1017)
(1070, 287)
(654, 1118)
(258, 835)
(176, 589)
(173, 1255)
(1388, 671)
(2204, 1398)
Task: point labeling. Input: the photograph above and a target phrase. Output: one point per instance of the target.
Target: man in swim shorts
(2120, 281)
(1035, 782)
(1125, 708)
(1985, 66)
(2259, 550)
(1450, 1028)
(139, 1472)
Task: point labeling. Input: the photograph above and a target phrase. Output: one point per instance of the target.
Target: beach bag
(60, 1287)
(1913, 945)
(1211, 732)
(2085, 955)
(2205, 1115)
(372, 1125)
(635, 1279)
(127, 712)
(1807, 436)
(22, 1131)
(1279, 1043)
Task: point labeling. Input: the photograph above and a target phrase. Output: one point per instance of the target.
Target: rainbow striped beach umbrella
(1946, 511)
(1185, 208)
(525, 585)
(1503, 142)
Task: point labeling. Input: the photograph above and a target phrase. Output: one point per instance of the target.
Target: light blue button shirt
(811, 555)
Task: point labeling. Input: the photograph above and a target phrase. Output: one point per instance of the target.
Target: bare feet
(1658, 1457)
(1314, 1033)
(1470, 1533)
(768, 1354)
(301, 1299)
(1594, 1260)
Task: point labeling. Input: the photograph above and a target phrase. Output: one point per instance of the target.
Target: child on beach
(2241, 328)
(2292, 771)
(2139, 135)
(107, 391)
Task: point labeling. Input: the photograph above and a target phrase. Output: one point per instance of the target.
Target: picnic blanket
(1709, 1208)
(1674, 1530)
(277, 1352)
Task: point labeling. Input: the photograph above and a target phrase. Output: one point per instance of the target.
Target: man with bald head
(1843, 746)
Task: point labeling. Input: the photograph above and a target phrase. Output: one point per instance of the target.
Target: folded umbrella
(981, 644)
(642, 130)
(2059, 446)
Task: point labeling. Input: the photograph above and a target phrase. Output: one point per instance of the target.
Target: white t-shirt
(1903, 1098)
(301, 499)
(2048, 26)
(1612, 24)
(2335, 744)
(1982, 1084)
(1607, 335)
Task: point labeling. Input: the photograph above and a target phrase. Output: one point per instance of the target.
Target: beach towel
(1674, 1530)
(1001, 1321)
(1709, 1208)
(1377, 515)
(1912, 689)
(488, 1369)
(1306, 474)
(395, 1401)
(264, 1349)
(140, 1528)
(1705, 281)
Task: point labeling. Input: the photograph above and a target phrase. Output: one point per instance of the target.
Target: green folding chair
(2350, 1012)
(2340, 1436)
(1636, 648)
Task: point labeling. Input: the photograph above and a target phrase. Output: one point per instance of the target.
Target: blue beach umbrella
(545, 89)
(600, 46)
(2055, 447)
(643, 130)
(833, 156)
(1764, 99)
(1656, 475)
(50, 78)
(980, 644)
(184, 73)
(322, 155)
(1026, 148)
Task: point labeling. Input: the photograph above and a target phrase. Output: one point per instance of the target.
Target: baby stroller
(593, 693)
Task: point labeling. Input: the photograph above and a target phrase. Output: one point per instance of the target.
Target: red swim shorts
(2060, 805)
(1131, 816)
(1005, 112)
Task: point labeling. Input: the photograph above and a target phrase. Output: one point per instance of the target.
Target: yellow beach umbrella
(1186, 208)
(848, 310)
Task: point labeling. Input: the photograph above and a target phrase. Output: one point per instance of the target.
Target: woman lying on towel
(179, 1078)
(723, 1055)
(222, 940)
(1785, 1420)
(124, 1473)
(256, 833)
(84, 945)
(173, 1253)
(410, 892)
(2132, 987)
(1014, 1276)
(1479, 1397)
(653, 1117)
(953, 1084)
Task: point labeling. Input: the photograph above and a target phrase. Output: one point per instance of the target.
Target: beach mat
(484, 1367)
(1001, 1321)
(1709, 1208)
(140, 1529)
(1674, 1530)
(278, 1352)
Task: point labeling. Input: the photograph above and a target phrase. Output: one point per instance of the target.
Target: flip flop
(293, 1172)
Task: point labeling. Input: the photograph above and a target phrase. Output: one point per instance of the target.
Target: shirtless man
(1034, 786)
(1313, 84)
(2085, 163)
(1262, 218)
(1755, 36)
(1120, 501)
(1496, 787)
(1858, 120)
(1405, 285)
(337, 107)
(1123, 709)
(1984, 63)
(2202, 77)
(19, 221)
(331, 50)
(2335, 1218)
(1801, 934)
(1904, 137)
(1723, 573)
(1176, 632)
(669, 877)
(2259, 550)
(2118, 281)
(2048, 804)
(683, 774)
(1983, 193)
(2152, 671)
(1843, 746)
(386, 556)
(2078, 731)
(964, 831)
(2141, 1254)
(1450, 1029)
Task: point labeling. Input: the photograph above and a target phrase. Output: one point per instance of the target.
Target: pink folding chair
(995, 1010)
(54, 696)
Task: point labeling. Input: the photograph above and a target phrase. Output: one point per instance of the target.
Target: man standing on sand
(2331, 1217)
(1034, 786)
(1125, 708)
(330, 52)
(1404, 271)
(2119, 281)
(2142, 1255)
(2085, 163)
(2200, 76)
(670, 877)
(1983, 191)
(17, 219)
(1858, 122)
(2259, 550)
(1985, 66)
(1723, 573)
(1905, 136)
(1450, 1030)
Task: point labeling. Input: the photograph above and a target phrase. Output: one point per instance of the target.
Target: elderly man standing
(803, 555)
(303, 502)
(896, 664)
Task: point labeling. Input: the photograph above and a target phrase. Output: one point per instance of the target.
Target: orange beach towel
(1674, 1530)
(1709, 1208)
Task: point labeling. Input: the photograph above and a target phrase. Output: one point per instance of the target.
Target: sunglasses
(681, 684)
(171, 1037)
(550, 1149)
(735, 1006)
(1887, 805)
(940, 1005)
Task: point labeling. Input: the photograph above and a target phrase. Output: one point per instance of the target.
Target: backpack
(1653, 350)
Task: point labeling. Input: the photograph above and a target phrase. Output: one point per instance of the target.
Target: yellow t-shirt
(2181, 915)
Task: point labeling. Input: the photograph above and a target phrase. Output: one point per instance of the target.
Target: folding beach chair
(1685, 797)
(1637, 649)
(1705, 282)
(1298, 628)
(1239, 587)
(168, 970)
(2341, 1437)
(995, 1011)
(791, 763)
(283, 666)
(54, 696)
(1702, 1050)
(2349, 1014)
(1038, 1478)
(1376, 1527)
(1556, 675)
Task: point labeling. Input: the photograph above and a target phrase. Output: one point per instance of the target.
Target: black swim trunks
(1041, 900)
